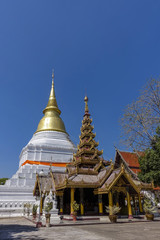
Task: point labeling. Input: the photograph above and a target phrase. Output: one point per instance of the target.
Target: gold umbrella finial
(53, 76)
(86, 104)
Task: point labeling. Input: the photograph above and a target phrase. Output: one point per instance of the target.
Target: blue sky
(107, 49)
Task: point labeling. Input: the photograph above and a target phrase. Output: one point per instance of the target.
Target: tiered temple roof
(87, 159)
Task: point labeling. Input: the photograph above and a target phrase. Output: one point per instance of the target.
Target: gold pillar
(117, 199)
(82, 208)
(129, 205)
(110, 200)
(72, 199)
(41, 205)
(61, 204)
(100, 204)
(140, 204)
(81, 201)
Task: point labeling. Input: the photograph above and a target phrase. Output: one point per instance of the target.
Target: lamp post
(39, 223)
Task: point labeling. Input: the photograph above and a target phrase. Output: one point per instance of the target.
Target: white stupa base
(45, 146)
(48, 146)
(12, 200)
(19, 190)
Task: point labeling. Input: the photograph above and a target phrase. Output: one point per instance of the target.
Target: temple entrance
(128, 200)
(122, 204)
(66, 201)
(119, 201)
(90, 202)
(105, 202)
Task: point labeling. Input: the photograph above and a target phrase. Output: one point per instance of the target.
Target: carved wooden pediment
(120, 182)
(119, 189)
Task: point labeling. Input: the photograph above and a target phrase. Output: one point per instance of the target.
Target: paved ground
(22, 229)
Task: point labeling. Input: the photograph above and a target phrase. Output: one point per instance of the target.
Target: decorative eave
(126, 165)
(78, 170)
(90, 142)
(145, 186)
(126, 175)
(86, 127)
(88, 161)
(99, 165)
(100, 152)
(107, 174)
(86, 120)
(85, 151)
(88, 134)
(82, 184)
(36, 184)
(72, 184)
(53, 180)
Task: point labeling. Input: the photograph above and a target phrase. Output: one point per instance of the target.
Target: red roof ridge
(135, 152)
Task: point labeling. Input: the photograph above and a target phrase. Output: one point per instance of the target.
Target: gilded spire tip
(53, 78)
(52, 103)
(53, 74)
(86, 104)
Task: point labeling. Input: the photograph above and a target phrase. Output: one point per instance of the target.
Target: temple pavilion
(92, 181)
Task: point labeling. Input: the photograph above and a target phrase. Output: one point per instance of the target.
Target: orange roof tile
(135, 170)
(132, 160)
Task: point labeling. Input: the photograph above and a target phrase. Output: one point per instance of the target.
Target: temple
(91, 181)
(49, 146)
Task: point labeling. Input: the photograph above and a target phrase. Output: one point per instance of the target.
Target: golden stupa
(51, 120)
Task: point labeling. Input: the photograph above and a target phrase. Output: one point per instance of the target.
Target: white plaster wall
(49, 146)
(17, 191)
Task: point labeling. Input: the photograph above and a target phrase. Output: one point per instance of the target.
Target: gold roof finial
(53, 75)
(86, 104)
(52, 103)
(53, 82)
(51, 120)
(122, 167)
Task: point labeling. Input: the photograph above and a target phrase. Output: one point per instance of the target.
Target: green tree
(150, 162)
(3, 180)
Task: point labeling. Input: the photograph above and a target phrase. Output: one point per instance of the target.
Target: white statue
(55, 202)
(50, 198)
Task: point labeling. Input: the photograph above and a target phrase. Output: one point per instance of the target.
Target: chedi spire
(52, 103)
(51, 120)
